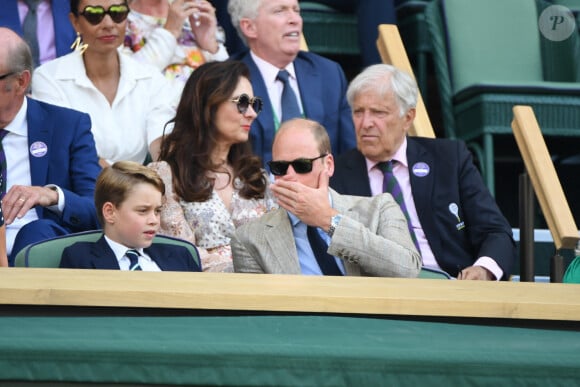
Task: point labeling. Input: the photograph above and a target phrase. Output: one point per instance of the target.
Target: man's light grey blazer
(372, 239)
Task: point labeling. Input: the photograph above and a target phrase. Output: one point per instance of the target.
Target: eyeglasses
(96, 13)
(4, 76)
(244, 101)
(301, 166)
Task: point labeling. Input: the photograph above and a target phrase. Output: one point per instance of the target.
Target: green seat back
(492, 41)
(47, 253)
(329, 31)
(572, 275)
(573, 5)
(433, 274)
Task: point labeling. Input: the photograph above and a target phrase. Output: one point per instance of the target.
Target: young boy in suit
(128, 198)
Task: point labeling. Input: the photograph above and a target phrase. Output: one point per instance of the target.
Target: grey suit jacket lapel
(343, 204)
(281, 248)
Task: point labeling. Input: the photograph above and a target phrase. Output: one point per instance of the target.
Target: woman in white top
(129, 102)
(175, 36)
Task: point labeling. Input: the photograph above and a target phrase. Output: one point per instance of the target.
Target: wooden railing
(545, 182)
(32, 288)
(393, 52)
(303, 44)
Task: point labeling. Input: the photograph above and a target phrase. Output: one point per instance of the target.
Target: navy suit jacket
(323, 92)
(64, 33)
(452, 178)
(61, 150)
(99, 255)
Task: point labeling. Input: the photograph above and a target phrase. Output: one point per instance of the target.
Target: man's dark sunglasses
(244, 101)
(301, 166)
(4, 76)
(96, 13)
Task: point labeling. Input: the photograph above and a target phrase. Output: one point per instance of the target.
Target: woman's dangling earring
(78, 44)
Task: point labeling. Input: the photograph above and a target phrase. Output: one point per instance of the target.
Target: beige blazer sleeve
(374, 236)
(244, 260)
(372, 239)
(266, 245)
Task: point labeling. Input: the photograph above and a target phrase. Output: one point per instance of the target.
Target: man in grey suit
(317, 231)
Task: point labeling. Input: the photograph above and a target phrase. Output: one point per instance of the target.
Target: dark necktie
(290, 108)
(3, 133)
(29, 27)
(326, 261)
(391, 185)
(133, 256)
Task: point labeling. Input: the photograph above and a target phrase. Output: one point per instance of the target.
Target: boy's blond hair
(116, 182)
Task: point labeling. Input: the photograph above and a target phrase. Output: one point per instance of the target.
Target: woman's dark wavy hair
(187, 149)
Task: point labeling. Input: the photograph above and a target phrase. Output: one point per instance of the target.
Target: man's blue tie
(3, 133)
(133, 256)
(290, 108)
(319, 247)
(391, 185)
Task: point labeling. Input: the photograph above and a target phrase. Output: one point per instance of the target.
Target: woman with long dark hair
(213, 181)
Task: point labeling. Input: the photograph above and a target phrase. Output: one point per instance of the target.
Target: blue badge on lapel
(421, 169)
(38, 149)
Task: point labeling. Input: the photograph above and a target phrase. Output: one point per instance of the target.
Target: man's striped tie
(133, 256)
(391, 185)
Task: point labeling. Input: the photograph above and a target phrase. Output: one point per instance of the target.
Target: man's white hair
(240, 9)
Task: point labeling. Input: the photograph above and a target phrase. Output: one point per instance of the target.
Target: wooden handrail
(393, 52)
(544, 178)
(303, 44)
(287, 293)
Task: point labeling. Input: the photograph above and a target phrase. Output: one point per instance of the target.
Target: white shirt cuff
(57, 208)
(491, 265)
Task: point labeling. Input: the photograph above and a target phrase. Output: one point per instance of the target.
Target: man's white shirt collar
(18, 124)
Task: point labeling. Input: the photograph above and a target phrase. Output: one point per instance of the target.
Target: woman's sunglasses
(244, 101)
(96, 13)
(301, 166)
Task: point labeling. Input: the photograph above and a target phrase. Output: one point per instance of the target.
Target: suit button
(74, 220)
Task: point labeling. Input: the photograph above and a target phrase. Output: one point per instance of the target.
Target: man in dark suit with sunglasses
(317, 231)
(54, 32)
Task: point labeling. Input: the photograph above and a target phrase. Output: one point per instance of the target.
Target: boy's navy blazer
(64, 33)
(99, 255)
(322, 86)
(478, 229)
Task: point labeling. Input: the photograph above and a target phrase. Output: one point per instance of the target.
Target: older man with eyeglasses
(317, 231)
(47, 154)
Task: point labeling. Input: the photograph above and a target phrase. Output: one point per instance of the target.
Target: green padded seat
(47, 253)
(329, 31)
(572, 275)
(489, 56)
(428, 273)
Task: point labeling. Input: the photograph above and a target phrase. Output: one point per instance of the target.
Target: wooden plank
(289, 293)
(303, 44)
(544, 178)
(393, 52)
